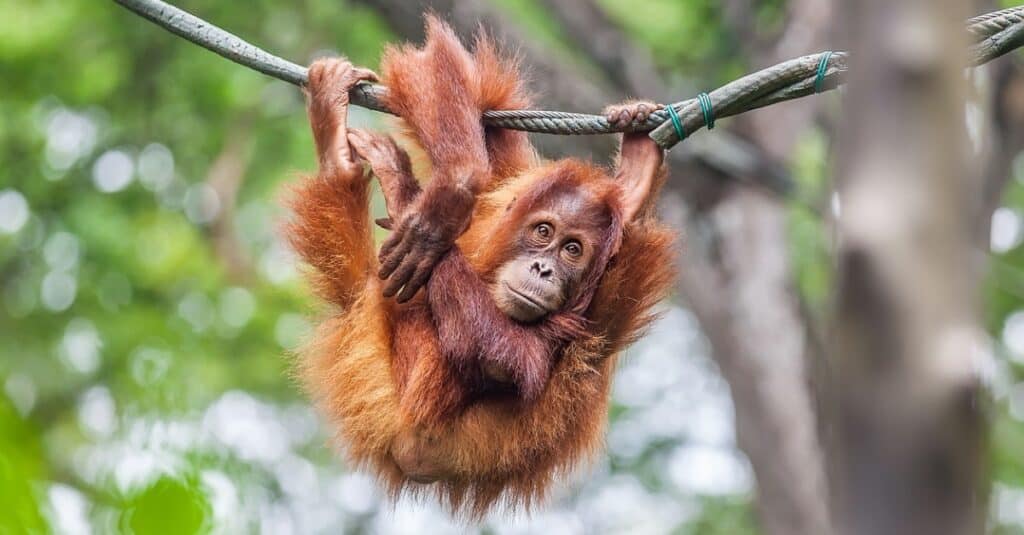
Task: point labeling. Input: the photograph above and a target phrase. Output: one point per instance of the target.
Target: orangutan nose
(540, 269)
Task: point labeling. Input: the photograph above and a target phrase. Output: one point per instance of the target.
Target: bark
(906, 455)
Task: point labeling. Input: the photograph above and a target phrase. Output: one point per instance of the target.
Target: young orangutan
(494, 380)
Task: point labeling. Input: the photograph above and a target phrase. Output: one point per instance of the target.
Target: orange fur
(373, 366)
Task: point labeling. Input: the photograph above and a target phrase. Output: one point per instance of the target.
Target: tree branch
(225, 178)
(626, 64)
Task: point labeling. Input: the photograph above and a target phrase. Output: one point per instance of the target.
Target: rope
(819, 78)
(707, 109)
(676, 123)
(993, 35)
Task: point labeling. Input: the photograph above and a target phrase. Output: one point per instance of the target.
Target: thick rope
(993, 35)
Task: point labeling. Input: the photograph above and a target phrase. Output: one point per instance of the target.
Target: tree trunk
(906, 452)
(743, 295)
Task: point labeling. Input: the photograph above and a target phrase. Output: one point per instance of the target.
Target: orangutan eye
(544, 230)
(573, 248)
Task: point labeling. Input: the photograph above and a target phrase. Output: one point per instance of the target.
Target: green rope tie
(707, 109)
(676, 123)
(819, 80)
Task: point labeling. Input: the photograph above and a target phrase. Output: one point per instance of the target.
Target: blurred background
(148, 304)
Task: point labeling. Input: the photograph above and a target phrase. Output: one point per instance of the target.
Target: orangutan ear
(640, 161)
